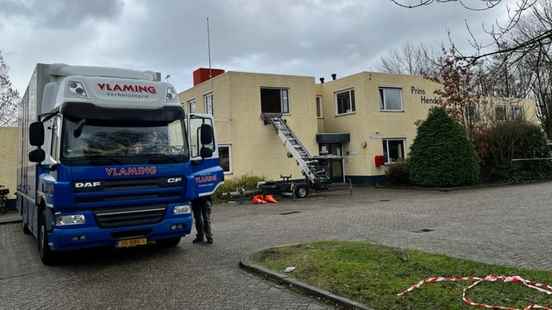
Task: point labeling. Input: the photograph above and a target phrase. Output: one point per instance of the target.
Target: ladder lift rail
(310, 166)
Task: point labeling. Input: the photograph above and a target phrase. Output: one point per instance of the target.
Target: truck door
(198, 150)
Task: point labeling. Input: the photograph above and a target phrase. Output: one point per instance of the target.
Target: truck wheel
(301, 191)
(169, 243)
(47, 256)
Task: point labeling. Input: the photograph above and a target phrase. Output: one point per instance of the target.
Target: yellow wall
(256, 148)
(368, 125)
(8, 158)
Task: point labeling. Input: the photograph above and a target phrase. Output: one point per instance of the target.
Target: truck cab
(109, 158)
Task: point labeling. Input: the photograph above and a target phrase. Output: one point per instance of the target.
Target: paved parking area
(507, 225)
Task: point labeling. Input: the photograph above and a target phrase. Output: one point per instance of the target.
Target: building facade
(352, 122)
(8, 158)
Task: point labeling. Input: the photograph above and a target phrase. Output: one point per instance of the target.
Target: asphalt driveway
(506, 225)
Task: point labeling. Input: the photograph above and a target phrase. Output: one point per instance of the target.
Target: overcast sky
(310, 37)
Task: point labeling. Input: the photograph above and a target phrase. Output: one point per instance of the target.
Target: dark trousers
(202, 218)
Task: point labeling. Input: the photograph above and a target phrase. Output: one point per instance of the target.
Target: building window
(517, 113)
(319, 108)
(275, 100)
(393, 150)
(500, 113)
(390, 99)
(472, 113)
(225, 157)
(345, 101)
(208, 102)
(191, 105)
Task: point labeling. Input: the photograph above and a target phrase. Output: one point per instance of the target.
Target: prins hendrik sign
(127, 90)
(422, 93)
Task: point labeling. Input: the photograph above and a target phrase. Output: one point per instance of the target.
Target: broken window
(274, 100)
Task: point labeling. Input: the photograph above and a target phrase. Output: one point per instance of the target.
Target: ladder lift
(316, 176)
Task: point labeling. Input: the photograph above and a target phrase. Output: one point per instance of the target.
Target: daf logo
(174, 180)
(87, 184)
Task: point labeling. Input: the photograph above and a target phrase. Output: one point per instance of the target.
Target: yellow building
(348, 121)
(9, 137)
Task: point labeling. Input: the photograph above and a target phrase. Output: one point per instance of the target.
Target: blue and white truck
(108, 157)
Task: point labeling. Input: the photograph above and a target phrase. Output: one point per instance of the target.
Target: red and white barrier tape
(541, 287)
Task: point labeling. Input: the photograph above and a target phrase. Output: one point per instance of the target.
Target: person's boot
(198, 240)
(210, 240)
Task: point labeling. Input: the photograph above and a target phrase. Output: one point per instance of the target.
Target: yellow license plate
(128, 243)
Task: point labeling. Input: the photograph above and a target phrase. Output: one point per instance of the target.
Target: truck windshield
(99, 142)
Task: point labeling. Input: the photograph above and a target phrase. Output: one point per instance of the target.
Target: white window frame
(351, 98)
(319, 107)
(205, 103)
(501, 106)
(229, 146)
(284, 100)
(520, 111)
(382, 106)
(386, 141)
(191, 102)
(476, 113)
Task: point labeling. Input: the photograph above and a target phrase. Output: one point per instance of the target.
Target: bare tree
(9, 97)
(482, 4)
(412, 60)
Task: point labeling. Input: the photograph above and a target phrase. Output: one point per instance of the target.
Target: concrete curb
(10, 219)
(341, 302)
(460, 188)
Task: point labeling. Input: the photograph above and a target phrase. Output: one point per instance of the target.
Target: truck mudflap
(64, 239)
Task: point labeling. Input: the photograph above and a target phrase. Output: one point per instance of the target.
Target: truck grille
(120, 217)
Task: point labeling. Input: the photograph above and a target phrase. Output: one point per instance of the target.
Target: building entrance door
(333, 153)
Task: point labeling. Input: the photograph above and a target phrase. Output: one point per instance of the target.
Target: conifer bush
(441, 155)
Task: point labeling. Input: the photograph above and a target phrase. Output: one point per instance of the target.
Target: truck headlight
(74, 219)
(181, 209)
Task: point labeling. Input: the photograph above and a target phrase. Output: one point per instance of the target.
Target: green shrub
(397, 174)
(515, 140)
(441, 155)
(233, 185)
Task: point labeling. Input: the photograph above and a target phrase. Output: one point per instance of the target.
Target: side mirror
(37, 156)
(36, 134)
(207, 135)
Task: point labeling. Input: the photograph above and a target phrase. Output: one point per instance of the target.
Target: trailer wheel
(301, 191)
(47, 256)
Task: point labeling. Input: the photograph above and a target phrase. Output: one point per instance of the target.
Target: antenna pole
(209, 46)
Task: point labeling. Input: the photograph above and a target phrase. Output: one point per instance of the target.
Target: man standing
(202, 218)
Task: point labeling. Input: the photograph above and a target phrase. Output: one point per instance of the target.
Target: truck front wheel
(47, 256)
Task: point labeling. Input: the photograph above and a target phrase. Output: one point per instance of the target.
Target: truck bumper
(63, 239)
